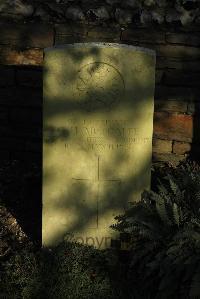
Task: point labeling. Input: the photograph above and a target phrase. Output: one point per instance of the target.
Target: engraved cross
(98, 180)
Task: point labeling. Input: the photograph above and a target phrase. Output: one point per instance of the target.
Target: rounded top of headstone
(101, 45)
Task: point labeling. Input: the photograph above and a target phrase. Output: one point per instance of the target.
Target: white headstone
(97, 147)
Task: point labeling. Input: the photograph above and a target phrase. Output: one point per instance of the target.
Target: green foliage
(165, 235)
(69, 270)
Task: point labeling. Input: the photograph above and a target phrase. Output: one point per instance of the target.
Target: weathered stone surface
(29, 35)
(172, 15)
(172, 159)
(158, 15)
(66, 33)
(162, 146)
(98, 33)
(9, 56)
(145, 17)
(183, 52)
(143, 36)
(75, 13)
(99, 13)
(98, 118)
(71, 30)
(177, 93)
(175, 63)
(29, 77)
(123, 16)
(129, 3)
(181, 148)
(171, 106)
(185, 39)
(179, 78)
(173, 126)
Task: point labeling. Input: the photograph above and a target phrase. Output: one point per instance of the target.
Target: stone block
(67, 33)
(106, 33)
(172, 159)
(173, 126)
(177, 93)
(162, 146)
(181, 148)
(27, 35)
(178, 64)
(188, 39)
(171, 106)
(143, 36)
(176, 51)
(180, 78)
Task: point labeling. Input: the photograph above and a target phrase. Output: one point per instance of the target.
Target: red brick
(181, 147)
(10, 56)
(173, 126)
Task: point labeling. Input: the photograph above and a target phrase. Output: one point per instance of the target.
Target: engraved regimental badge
(99, 86)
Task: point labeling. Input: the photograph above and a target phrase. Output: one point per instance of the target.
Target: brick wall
(177, 93)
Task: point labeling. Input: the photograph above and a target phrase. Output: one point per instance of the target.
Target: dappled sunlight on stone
(98, 122)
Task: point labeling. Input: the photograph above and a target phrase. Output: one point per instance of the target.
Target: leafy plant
(70, 271)
(165, 236)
